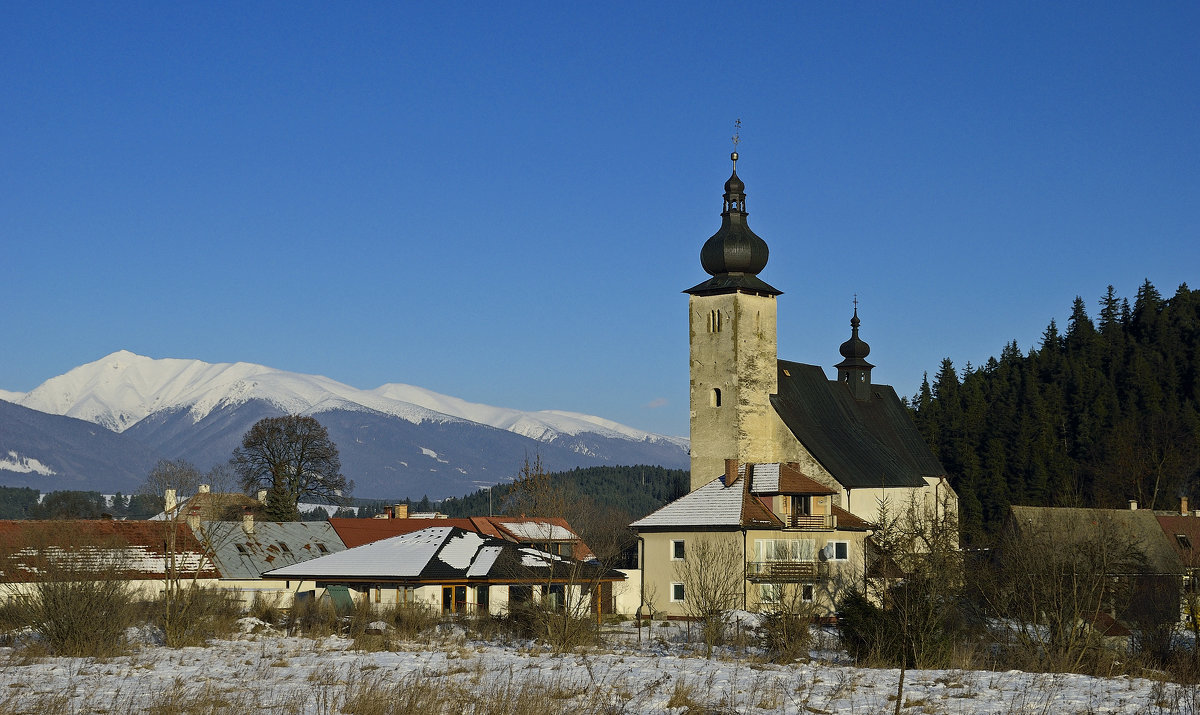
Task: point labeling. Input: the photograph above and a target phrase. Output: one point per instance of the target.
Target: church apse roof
(863, 443)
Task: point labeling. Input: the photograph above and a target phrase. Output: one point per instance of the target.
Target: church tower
(731, 328)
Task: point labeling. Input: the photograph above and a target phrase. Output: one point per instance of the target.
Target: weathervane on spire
(737, 139)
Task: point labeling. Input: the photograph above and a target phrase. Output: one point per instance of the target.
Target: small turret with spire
(854, 371)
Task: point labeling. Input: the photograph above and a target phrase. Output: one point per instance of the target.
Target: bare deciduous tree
(291, 457)
(1055, 575)
(713, 574)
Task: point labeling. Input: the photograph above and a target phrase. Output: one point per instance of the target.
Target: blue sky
(503, 202)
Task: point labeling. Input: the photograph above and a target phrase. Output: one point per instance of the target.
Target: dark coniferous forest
(1107, 412)
(633, 491)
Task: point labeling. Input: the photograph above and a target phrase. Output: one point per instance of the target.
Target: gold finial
(737, 139)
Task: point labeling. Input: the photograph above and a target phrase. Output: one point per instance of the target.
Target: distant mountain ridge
(395, 440)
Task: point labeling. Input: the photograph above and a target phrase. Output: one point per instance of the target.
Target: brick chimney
(389, 512)
(262, 496)
(401, 511)
(169, 502)
(203, 489)
(731, 471)
(1133, 505)
(1183, 510)
(248, 520)
(193, 519)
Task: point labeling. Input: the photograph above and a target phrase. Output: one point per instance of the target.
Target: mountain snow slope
(395, 440)
(121, 389)
(50, 452)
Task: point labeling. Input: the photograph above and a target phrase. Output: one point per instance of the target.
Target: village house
(230, 555)
(788, 468)
(144, 553)
(1106, 570)
(454, 570)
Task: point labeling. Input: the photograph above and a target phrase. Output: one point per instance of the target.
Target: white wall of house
(935, 498)
(627, 594)
(843, 569)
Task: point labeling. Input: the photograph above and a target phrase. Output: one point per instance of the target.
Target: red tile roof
(356, 532)
(135, 549)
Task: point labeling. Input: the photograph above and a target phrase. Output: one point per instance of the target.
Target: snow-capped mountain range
(395, 440)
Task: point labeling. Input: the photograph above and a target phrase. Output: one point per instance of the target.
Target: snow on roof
(271, 544)
(484, 561)
(461, 549)
(713, 504)
(776, 478)
(766, 477)
(405, 555)
(538, 530)
(533, 558)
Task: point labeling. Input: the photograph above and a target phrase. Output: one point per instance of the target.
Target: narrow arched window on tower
(715, 400)
(714, 321)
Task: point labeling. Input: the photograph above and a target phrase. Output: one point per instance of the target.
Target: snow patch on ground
(268, 672)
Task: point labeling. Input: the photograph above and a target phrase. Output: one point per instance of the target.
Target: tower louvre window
(715, 400)
(714, 321)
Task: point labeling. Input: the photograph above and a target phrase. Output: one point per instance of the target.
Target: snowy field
(267, 672)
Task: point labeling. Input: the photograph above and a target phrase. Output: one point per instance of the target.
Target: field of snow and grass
(264, 670)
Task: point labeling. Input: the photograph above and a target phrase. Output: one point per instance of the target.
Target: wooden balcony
(823, 522)
(786, 571)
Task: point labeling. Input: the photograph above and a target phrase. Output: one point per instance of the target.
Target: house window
(677, 593)
(785, 550)
(1184, 541)
(677, 550)
(770, 592)
(806, 593)
(556, 597)
(284, 548)
(241, 549)
(322, 548)
(840, 550)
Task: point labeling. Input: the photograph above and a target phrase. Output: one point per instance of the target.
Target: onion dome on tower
(735, 254)
(854, 370)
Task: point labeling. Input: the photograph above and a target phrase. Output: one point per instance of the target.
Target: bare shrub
(783, 633)
(79, 618)
(713, 579)
(411, 621)
(195, 614)
(266, 608)
(76, 596)
(312, 617)
(1057, 574)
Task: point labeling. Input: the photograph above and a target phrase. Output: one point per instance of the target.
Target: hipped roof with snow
(438, 554)
(718, 505)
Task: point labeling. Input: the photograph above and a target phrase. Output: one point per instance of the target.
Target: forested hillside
(1105, 413)
(635, 491)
